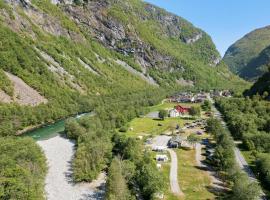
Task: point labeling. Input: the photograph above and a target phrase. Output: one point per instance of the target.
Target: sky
(225, 21)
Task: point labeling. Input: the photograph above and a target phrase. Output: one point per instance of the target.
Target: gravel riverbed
(59, 152)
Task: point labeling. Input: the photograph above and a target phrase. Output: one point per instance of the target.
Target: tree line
(22, 169)
(241, 188)
(249, 120)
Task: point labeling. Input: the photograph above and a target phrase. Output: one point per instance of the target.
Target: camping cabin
(158, 148)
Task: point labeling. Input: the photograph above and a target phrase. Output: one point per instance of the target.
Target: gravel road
(243, 164)
(217, 184)
(175, 188)
(162, 141)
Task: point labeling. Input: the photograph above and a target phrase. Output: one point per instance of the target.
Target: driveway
(162, 141)
(175, 188)
(217, 184)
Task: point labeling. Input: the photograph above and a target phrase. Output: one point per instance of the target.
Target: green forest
(240, 187)
(249, 121)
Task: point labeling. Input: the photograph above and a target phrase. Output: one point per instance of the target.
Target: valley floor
(59, 152)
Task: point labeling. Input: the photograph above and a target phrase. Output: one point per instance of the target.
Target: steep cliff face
(159, 42)
(122, 31)
(242, 57)
(73, 51)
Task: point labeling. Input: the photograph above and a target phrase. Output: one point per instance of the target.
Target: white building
(174, 113)
(158, 148)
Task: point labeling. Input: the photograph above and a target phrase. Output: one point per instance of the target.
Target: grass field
(168, 105)
(148, 126)
(193, 181)
(166, 173)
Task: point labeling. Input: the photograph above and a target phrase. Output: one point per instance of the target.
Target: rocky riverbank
(59, 152)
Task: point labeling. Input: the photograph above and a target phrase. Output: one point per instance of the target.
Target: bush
(123, 129)
(244, 189)
(22, 169)
(162, 114)
(73, 129)
(263, 167)
(195, 111)
(206, 106)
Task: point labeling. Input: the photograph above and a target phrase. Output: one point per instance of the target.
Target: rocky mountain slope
(74, 52)
(248, 56)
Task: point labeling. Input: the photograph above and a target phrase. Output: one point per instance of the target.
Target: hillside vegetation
(249, 55)
(113, 57)
(72, 56)
(248, 120)
(261, 87)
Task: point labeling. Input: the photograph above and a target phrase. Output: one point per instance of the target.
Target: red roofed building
(181, 109)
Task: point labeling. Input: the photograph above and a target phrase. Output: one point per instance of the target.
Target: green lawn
(168, 105)
(148, 126)
(165, 105)
(193, 181)
(166, 172)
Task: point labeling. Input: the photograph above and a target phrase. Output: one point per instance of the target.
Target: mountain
(113, 57)
(248, 55)
(261, 86)
(257, 66)
(58, 57)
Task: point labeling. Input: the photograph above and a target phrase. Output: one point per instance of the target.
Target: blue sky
(225, 20)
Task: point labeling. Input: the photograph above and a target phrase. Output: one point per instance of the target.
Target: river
(51, 130)
(59, 152)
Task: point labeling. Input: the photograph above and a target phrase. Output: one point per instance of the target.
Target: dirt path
(175, 188)
(59, 152)
(216, 183)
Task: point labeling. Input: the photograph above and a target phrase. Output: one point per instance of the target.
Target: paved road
(153, 115)
(175, 188)
(238, 155)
